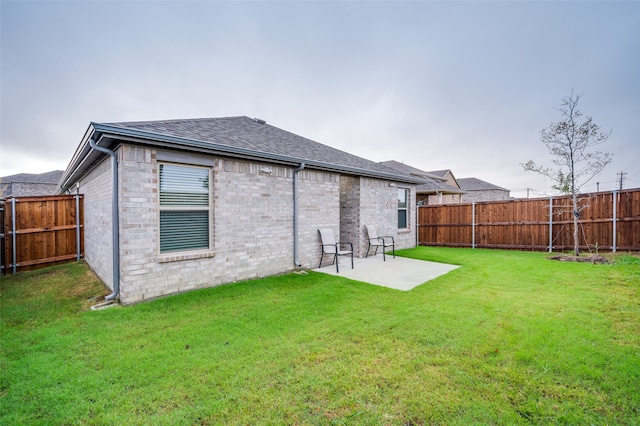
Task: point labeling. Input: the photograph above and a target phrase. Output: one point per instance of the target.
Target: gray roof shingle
(436, 186)
(48, 177)
(411, 170)
(475, 184)
(256, 136)
(431, 183)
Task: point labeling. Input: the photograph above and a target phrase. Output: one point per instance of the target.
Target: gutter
(296, 262)
(115, 220)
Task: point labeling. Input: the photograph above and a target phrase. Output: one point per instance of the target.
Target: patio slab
(400, 273)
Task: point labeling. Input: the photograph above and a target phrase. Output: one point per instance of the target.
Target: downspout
(296, 262)
(115, 221)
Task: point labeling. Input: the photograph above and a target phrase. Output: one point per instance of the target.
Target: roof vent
(257, 120)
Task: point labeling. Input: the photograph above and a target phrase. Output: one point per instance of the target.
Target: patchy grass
(508, 338)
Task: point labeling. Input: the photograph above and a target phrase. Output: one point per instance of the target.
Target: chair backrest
(327, 237)
(372, 232)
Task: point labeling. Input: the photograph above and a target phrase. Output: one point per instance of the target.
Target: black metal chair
(332, 247)
(377, 241)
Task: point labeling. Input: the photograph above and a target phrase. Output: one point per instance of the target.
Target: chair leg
(393, 247)
(351, 260)
(337, 260)
(368, 248)
(384, 259)
(321, 256)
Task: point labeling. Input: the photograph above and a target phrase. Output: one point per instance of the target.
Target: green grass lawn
(508, 338)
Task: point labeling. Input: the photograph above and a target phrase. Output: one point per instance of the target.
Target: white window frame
(185, 208)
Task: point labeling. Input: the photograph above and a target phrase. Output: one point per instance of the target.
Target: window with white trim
(403, 209)
(184, 207)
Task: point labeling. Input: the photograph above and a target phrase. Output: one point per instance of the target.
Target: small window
(402, 208)
(184, 208)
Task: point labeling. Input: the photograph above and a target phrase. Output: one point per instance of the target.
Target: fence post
(13, 235)
(77, 227)
(615, 224)
(473, 225)
(551, 224)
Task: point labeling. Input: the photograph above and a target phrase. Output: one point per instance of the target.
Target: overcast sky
(465, 86)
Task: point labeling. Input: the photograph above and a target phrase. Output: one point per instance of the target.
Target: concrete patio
(400, 273)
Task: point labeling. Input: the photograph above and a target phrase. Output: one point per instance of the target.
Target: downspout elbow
(115, 220)
(296, 261)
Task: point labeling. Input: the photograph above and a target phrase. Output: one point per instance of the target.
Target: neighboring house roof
(411, 170)
(239, 137)
(475, 184)
(431, 183)
(447, 175)
(440, 173)
(48, 177)
(29, 185)
(434, 186)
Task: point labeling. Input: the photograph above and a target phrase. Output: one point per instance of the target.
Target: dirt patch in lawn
(585, 258)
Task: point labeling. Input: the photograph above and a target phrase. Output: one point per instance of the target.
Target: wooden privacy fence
(40, 231)
(607, 220)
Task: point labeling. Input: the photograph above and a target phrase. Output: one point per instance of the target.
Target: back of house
(176, 205)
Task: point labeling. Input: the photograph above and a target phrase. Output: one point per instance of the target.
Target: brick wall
(485, 195)
(366, 201)
(437, 199)
(252, 225)
(350, 212)
(96, 187)
(319, 207)
(251, 222)
(27, 189)
(379, 207)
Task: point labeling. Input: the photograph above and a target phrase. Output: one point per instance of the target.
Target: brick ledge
(165, 258)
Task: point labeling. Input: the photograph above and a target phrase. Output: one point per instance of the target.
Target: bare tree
(571, 141)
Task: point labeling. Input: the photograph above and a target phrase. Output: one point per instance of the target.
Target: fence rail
(607, 220)
(40, 231)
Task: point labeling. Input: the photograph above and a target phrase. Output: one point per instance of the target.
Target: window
(184, 208)
(402, 208)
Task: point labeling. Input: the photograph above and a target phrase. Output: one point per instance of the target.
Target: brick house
(439, 187)
(478, 190)
(204, 202)
(442, 187)
(29, 185)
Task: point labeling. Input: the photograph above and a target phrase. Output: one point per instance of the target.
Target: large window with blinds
(184, 208)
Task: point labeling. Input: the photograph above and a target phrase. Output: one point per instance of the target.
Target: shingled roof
(241, 137)
(431, 183)
(434, 186)
(475, 184)
(412, 170)
(48, 177)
